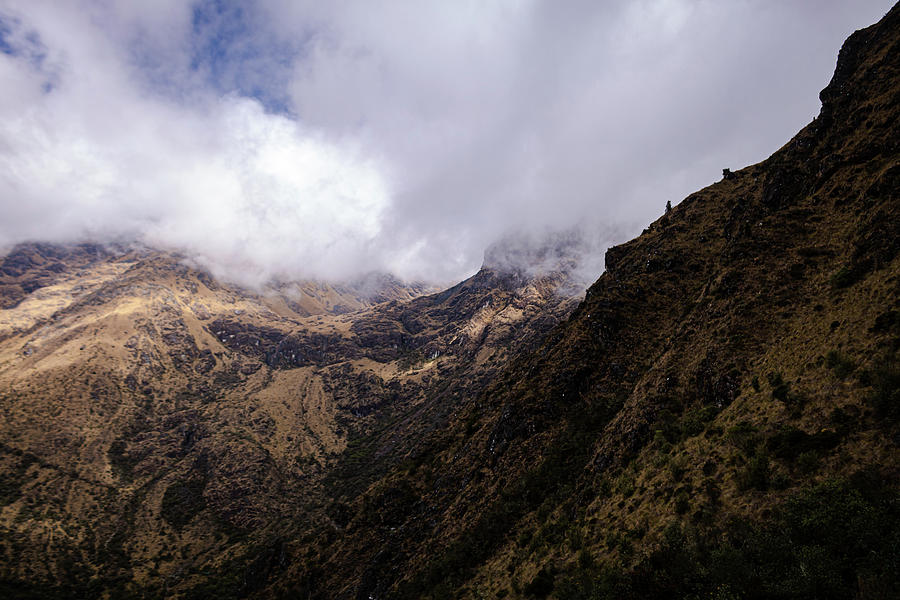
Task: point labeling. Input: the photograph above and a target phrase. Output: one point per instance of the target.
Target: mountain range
(715, 417)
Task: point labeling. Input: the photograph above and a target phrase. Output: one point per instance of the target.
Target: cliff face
(717, 418)
(737, 361)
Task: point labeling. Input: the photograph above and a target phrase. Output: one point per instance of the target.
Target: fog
(286, 140)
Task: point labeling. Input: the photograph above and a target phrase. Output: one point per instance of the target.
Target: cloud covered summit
(277, 139)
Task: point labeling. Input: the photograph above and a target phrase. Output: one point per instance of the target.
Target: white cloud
(253, 195)
(411, 136)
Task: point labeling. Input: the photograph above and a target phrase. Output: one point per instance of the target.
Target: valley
(714, 417)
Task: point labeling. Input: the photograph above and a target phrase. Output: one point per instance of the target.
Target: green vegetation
(410, 359)
(789, 443)
(885, 396)
(120, 461)
(743, 436)
(16, 477)
(542, 584)
(836, 540)
(756, 474)
(780, 388)
(840, 363)
(225, 380)
(182, 501)
(846, 276)
(547, 485)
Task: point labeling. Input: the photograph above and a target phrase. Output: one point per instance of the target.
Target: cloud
(280, 139)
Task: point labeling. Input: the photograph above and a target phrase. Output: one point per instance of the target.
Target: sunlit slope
(156, 424)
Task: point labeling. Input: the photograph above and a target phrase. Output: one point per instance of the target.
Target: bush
(542, 488)
(848, 274)
(182, 501)
(781, 391)
(756, 474)
(743, 436)
(779, 387)
(789, 442)
(695, 420)
(841, 364)
(121, 462)
(838, 539)
(15, 479)
(808, 462)
(542, 584)
(668, 426)
(625, 485)
(885, 397)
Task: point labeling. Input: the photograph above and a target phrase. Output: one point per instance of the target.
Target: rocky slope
(717, 419)
(157, 425)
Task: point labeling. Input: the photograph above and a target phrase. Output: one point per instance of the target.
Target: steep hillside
(717, 419)
(158, 428)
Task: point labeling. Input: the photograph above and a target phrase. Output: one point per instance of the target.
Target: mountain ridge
(207, 412)
(679, 355)
(716, 419)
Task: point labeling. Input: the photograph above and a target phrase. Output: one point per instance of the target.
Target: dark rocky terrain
(718, 418)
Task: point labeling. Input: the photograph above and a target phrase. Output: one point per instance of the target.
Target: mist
(279, 140)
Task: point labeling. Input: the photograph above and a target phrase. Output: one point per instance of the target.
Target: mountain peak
(717, 417)
(574, 255)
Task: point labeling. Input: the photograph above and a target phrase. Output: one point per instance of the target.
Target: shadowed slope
(732, 358)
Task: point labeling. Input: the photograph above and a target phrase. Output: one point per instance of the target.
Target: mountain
(157, 423)
(716, 418)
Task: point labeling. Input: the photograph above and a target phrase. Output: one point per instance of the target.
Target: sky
(285, 139)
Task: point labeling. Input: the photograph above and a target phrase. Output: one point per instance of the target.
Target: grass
(839, 539)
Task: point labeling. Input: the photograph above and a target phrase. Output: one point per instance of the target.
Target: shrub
(182, 501)
(841, 364)
(668, 426)
(781, 391)
(677, 468)
(743, 436)
(756, 474)
(835, 540)
(585, 559)
(847, 275)
(542, 584)
(695, 420)
(808, 462)
(15, 478)
(788, 443)
(625, 485)
(885, 397)
(121, 462)
(660, 440)
(713, 492)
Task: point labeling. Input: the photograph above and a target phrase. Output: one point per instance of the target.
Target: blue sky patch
(237, 52)
(5, 32)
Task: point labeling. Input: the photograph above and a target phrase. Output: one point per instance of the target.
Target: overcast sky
(288, 139)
